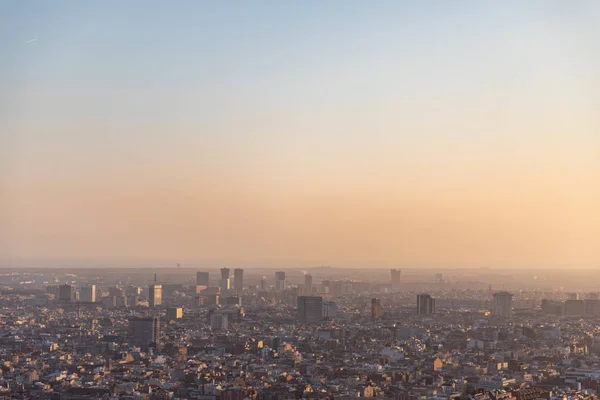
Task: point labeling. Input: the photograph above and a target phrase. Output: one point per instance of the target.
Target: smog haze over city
(275, 200)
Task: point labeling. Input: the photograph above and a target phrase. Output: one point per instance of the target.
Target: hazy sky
(273, 133)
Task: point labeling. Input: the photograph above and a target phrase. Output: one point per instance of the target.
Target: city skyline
(351, 134)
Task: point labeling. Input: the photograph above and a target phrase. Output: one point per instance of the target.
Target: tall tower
(308, 284)
(310, 309)
(144, 331)
(88, 293)
(502, 304)
(202, 278)
(395, 277)
(224, 273)
(66, 293)
(238, 279)
(280, 280)
(375, 309)
(154, 295)
(425, 304)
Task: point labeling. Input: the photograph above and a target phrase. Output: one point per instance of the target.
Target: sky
(301, 133)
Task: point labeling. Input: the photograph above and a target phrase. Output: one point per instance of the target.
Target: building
(308, 284)
(132, 300)
(174, 313)
(375, 309)
(439, 278)
(502, 304)
(211, 299)
(66, 293)
(121, 301)
(238, 279)
(280, 280)
(109, 302)
(197, 301)
(233, 301)
(219, 321)
(330, 309)
(144, 331)
(575, 308)
(310, 309)
(425, 304)
(116, 291)
(224, 273)
(263, 283)
(395, 277)
(154, 295)
(224, 284)
(202, 278)
(87, 293)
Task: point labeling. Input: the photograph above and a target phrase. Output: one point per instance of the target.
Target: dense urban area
(321, 333)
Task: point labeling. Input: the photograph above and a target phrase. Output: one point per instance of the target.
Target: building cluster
(290, 338)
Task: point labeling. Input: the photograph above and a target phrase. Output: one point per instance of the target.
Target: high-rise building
(439, 278)
(572, 296)
(502, 304)
(202, 278)
(144, 331)
(154, 295)
(87, 293)
(238, 279)
(375, 309)
(66, 293)
(219, 321)
(224, 273)
(425, 304)
(263, 283)
(395, 277)
(224, 284)
(280, 280)
(174, 313)
(308, 284)
(310, 309)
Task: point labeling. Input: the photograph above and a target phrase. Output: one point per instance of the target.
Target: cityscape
(299, 199)
(322, 333)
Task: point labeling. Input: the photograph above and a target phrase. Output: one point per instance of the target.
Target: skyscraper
(144, 331)
(502, 304)
(66, 293)
(202, 278)
(375, 309)
(425, 304)
(224, 273)
(154, 295)
(224, 284)
(280, 280)
(308, 284)
(395, 277)
(310, 309)
(87, 293)
(238, 279)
